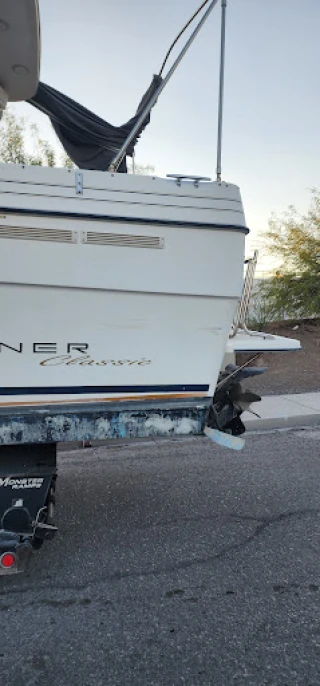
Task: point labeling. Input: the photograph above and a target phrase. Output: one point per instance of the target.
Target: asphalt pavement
(176, 562)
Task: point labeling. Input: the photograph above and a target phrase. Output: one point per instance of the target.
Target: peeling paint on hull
(131, 420)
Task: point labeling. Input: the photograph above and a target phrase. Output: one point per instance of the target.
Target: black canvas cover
(90, 142)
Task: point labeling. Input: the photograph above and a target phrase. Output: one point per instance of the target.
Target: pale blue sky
(103, 54)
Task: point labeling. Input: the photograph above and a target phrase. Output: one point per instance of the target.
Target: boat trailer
(29, 436)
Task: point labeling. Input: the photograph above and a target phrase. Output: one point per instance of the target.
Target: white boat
(118, 295)
(114, 287)
(127, 289)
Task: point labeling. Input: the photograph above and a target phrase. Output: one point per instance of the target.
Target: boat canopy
(90, 142)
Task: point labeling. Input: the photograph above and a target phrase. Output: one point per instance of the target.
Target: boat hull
(66, 345)
(114, 288)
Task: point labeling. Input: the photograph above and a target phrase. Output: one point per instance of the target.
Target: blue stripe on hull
(79, 390)
(126, 220)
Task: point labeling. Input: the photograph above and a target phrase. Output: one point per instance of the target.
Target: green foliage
(66, 161)
(294, 240)
(42, 152)
(12, 145)
(21, 143)
(141, 169)
(260, 312)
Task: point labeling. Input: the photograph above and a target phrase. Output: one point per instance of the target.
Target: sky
(103, 54)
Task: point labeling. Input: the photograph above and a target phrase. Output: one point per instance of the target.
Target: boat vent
(122, 240)
(24, 233)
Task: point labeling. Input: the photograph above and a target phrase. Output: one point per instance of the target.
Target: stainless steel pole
(120, 155)
(221, 86)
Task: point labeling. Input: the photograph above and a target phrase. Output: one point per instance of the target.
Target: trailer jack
(27, 501)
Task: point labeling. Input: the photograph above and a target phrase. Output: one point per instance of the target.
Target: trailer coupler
(27, 489)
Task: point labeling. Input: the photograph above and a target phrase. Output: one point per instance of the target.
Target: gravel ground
(176, 562)
(293, 372)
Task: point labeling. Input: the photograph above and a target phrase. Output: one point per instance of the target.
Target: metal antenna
(221, 86)
(120, 155)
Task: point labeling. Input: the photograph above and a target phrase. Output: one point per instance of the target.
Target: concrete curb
(285, 411)
(281, 422)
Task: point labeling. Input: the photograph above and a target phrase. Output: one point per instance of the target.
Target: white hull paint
(133, 340)
(127, 290)
(257, 341)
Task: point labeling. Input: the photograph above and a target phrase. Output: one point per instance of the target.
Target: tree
(21, 143)
(16, 132)
(295, 240)
(140, 169)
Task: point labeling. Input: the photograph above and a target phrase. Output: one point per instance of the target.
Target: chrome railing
(243, 307)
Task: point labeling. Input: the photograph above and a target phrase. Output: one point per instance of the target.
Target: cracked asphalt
(176, 562)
